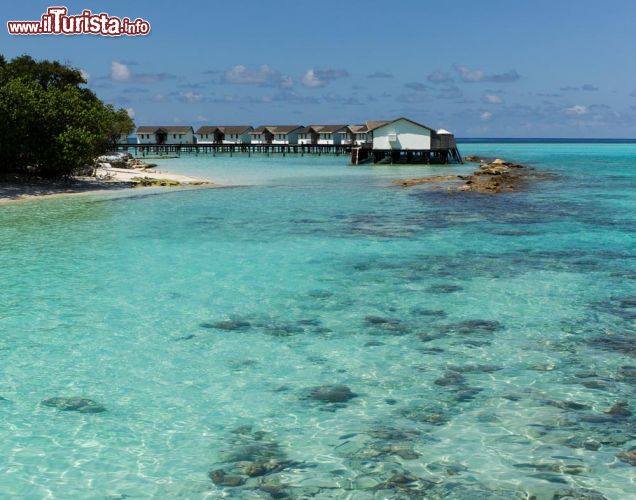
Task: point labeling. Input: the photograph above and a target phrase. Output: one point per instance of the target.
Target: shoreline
(105, 179)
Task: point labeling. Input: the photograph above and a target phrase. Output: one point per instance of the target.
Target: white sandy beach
(107, 178)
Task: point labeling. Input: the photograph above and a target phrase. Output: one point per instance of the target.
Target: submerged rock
(281, 329)
(263, 467)
(475, 368)
(577, 494)
(450, 378)
(81, 405)
(566, 405)
(620, 409)
(444, 288)
(230, 324)
(471, 326)
(627, 373)
(220, 478)
(373, 343)
(433, 313)
(332, 393)
(629, 456)
(618, 342)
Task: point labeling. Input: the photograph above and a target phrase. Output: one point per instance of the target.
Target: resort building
(379, 141)
(322, 134)
(165, 134)
(224, 134)
(358, 134)
(401, 134)
(276, 134)
(330, 134)
(307, 135)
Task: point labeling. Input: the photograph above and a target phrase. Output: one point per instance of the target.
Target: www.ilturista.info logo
(56, 21)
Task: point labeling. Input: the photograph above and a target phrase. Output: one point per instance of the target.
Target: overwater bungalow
(405, 141)
(224, 134)
(165, 134)
(276, 134)
(358, 134)
(322, 134)
(388, 141)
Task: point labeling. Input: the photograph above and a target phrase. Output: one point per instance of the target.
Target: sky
(488, 68)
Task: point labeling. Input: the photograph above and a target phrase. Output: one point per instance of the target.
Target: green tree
(51, 125)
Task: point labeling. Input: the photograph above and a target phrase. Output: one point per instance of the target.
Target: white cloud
(439, 77)
(492, 99)
(577, 110)
(85, 74)
(477, 75)
(119, 72)
(486, 115)
(311, 80)
(190, 96)
(131, 112)
(469, 75)
(322, 77)
(264, 76)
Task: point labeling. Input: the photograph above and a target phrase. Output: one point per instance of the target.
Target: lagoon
(484, 338)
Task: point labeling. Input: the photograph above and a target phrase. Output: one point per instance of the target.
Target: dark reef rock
(81, 405)
(566, 405)
(230, 325)
(577, 494)
(444, 288)
(331, 393)
(595, 384)
(464, 395)
(475, 368)
(471, 326)
(373, 343)
(282, 329)
(450, 378)
(629, 456)
(627, 373)
(220, 478)
(618, 342)
(620, 409)
(392, 325)
(432, 313)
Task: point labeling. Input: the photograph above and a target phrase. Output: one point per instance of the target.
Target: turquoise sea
(487, 344)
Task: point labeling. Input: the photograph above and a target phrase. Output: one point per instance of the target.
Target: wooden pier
(214, 149)
(397, 156)
(359, 154)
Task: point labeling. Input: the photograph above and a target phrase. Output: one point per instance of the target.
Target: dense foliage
(50, 125)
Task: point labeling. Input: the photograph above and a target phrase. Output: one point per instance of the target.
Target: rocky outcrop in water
(498, 176)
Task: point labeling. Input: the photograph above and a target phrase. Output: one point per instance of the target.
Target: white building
(307, 135)
(330, 134)
(400, 134)
(165, 134)
(358, 134)
(224, 134)
(276, 134)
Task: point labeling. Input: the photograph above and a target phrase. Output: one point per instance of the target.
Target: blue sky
(491, 68)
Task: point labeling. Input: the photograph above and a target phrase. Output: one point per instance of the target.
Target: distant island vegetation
(52, 126)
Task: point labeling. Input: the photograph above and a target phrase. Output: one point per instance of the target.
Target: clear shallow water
(488, 377)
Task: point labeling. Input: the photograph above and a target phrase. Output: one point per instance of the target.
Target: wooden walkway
(359, 154)
(283, 149)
